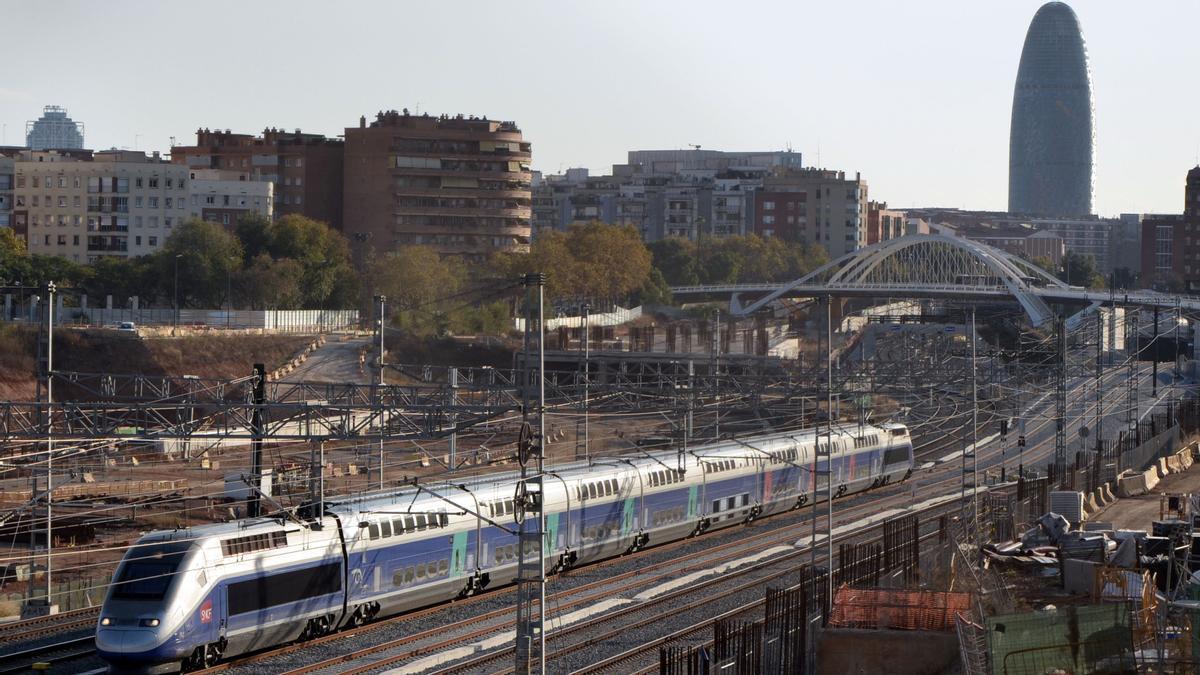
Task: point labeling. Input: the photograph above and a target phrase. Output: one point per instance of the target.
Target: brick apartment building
(813, 206)
(458, 184)
(1171, 243)
(305, 168)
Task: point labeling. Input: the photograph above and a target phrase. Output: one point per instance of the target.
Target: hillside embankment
(108, 351)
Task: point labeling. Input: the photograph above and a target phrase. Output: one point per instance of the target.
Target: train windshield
(149, 569)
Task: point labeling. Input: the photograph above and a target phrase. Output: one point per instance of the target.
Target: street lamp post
(175, 301)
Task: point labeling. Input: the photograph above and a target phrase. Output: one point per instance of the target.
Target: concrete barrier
(1108, 492)
(1131, 485)
(1151, 478)
(1089, 504)
(1161, 467)
(1173, 464)
(1185, 458)
(1101, 499)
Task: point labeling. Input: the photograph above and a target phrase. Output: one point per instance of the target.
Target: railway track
(57, 653)
(53, 624)
(490, 661)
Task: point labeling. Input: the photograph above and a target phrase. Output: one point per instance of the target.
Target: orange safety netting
(897, 609)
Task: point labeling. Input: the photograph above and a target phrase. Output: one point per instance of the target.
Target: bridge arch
(928, 262)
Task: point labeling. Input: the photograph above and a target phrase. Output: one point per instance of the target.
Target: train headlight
(106, 621)
(148, 623)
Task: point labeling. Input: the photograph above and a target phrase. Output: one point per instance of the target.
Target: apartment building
(884, 223)
(6, 189)
(82, 205)
(663, 193)
(457, 183)
(816, 206)
(306, 169)
(225, 197)
(1170, 243)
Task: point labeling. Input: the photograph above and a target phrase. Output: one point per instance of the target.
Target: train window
(895, 456)
(148, 570)
(591, 490)
(272, 590)
(443, 566)
(398, 525)
(373, 529)
(443, 519)
(398, 578)
(385, 528)
(421, 571)
(409, 574)
(499, 555)
(421, 521)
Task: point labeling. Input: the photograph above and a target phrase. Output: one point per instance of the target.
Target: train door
(459, 563)
(549, 541)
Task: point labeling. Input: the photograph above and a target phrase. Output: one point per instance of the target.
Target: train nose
(127, 640)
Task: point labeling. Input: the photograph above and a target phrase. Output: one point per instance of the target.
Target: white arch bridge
(934, 266)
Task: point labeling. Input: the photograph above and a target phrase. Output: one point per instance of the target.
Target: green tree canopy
(207, 256)
(421, 287)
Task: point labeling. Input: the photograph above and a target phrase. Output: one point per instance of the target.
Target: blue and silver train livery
(188, 598)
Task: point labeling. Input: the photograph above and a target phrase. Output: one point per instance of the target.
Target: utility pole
(175, 300)
(254, 504)
(829, 446)
(382, 300)
(585, 344)
(1154, 358)
(1131, 378)
(974, 430)
(531, 579)
(49, 607)
(1060, 410)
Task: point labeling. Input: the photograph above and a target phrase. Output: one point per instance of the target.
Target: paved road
(336, 361)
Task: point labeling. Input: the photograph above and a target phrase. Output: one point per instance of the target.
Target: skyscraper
(1051, 142)
(54, 131)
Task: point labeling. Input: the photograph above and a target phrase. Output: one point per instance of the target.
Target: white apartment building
(82, 206)
(223, 197)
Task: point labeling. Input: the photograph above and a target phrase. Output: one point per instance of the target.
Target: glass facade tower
(1051, 142)
(54, 131)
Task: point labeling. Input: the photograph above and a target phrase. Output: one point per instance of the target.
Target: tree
(267, 283)
(14, 260)
(1080, 270)
(676, 259)
(420, 286)
(207, 255)
(328, 276)
(594, 261)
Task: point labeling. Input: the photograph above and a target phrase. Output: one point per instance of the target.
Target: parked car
(127, 327)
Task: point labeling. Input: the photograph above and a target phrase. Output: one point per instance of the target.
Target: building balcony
(121, 247)
(524, 176)
(524, 212)
(475, 192)
(505, 155)
(107, 228)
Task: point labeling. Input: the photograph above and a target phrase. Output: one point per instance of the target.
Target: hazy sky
(915, 95)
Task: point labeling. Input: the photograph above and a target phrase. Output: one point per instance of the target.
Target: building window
(137, 182)
(153, 183)
(152, 202)
(74, 240)
(168, 202)
(137, 241)
(153, 241)
(137, 202)
(170, 182)
(62, 240)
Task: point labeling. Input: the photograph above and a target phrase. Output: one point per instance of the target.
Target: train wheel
(212, 654)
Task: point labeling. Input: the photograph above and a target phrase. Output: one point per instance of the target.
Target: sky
(916, 96)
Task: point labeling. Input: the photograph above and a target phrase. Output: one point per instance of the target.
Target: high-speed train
(187, 598)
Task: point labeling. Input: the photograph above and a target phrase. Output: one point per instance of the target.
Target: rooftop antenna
(418, 108)
(693, 146)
